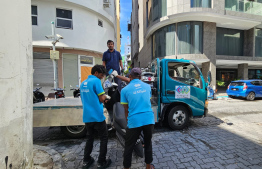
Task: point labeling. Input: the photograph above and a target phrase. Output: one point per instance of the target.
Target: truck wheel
(178, 118)
(74, 131)
(251, 96)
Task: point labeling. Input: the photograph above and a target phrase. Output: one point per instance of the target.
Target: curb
(56, 157)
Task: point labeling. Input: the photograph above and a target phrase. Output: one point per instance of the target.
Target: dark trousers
(130, 140)
(101, 127)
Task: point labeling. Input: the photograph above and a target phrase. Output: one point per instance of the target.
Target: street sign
(54, 54)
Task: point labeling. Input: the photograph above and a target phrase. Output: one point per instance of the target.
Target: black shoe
(104, 164)
(87, 164)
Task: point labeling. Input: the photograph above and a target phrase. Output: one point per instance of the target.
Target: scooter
(211, 93)
(117, 114)
(59, 93)
(76, 92)
(38, 96)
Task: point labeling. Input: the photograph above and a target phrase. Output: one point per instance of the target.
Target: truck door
(185, 83)
(155, 99)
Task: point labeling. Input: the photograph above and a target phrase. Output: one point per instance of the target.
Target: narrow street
(230, 137)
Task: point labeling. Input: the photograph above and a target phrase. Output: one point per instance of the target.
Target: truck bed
(58, 112)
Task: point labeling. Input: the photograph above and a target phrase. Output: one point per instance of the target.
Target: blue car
(249, 89)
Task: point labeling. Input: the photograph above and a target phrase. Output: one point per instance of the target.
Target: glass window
(190, 37)
(201, 3)
(185, 73)
(34, 14)
(164, 41)
(149, 12)
(258, 47)
(64, 18)
(229, 42)
(159, 9)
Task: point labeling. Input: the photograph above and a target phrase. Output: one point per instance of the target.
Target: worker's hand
(107, 97)
(114, 73)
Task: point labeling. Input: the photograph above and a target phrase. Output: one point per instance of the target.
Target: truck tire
(178, 117)
(74, 131)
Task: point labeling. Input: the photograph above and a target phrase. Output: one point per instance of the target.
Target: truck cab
(180, 92)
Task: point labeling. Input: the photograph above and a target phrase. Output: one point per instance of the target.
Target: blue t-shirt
(112, 60)
(137, 95)
(90, 89)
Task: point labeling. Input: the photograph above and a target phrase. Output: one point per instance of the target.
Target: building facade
(85, 26)
(16, 85)
(223, 36)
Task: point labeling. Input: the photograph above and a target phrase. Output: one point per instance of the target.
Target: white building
(85, 26)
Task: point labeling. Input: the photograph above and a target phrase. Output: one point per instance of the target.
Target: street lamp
(54, 55)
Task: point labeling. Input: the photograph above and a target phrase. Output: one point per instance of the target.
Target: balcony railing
(245, 6)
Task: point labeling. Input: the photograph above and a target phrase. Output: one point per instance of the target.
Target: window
(229, 42)
(201, 3)
(149, 12)
(100, 23)
(164, 41)
(185, 73)
(34, 14)
(159, 9)
(258, 47)
(256, 83)
(64, 18)
(190, 37)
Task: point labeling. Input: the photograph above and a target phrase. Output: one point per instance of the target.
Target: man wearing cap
(135, 98)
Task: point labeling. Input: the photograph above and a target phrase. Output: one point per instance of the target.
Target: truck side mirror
(209, 77)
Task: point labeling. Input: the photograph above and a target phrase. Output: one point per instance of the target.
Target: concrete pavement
(230, 137)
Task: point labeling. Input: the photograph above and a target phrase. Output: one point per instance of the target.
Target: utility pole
(54, 55)
(54, 61)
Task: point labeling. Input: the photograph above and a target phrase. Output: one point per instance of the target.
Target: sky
(125, 17)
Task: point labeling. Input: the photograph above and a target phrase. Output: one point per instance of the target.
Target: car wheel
(251, 96)
(178, 118)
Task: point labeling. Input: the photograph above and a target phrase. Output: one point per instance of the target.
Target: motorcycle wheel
(74, 131)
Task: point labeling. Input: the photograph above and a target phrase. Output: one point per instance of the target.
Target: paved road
(230, 137)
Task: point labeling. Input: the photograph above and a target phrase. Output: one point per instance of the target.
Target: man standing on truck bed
(135, 98)
(93, 97)
(113, 60)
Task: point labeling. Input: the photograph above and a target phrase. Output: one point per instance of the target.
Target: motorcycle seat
(119, 115)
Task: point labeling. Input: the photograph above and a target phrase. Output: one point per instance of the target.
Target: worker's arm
(123, 78)
(104, 63)
(115, 74)
(102, 98)
(126, 110)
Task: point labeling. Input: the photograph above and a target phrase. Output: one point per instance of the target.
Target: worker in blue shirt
(93, 97)
(135, 98)
(113, 60)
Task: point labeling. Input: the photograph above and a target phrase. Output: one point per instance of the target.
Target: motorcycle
(59, 93)
(38, 96)
(117, 114)
(211, 93)
(76, 92)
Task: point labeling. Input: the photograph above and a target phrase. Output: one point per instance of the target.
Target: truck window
(185, 73)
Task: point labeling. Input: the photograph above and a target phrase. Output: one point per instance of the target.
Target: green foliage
(220, 83)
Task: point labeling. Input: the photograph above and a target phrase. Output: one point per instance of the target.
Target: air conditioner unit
(106, 3)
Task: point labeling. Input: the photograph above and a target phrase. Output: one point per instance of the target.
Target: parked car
(249, 89)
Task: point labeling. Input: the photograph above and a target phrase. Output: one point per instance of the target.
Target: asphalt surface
(229, 137)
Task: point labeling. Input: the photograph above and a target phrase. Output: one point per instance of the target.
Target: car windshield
(237, 84)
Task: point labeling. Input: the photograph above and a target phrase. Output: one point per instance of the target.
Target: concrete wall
(16, 84)
(134, 30)
(86, 34)
(249, 42)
